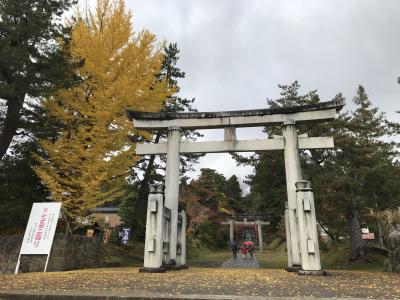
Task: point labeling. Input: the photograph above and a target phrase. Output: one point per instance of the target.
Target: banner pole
(47, 261)
(17, 267)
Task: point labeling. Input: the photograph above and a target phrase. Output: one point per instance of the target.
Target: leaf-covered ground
(263, 282)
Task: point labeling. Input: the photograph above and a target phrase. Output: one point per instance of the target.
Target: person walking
(244, 251)
(251, 251)
(234, 249)
(249, 246)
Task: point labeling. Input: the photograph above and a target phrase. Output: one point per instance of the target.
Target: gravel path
(240, 262)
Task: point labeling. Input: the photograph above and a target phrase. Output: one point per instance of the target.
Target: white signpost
(39, 232)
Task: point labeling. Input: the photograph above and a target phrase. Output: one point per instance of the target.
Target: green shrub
(276, 242)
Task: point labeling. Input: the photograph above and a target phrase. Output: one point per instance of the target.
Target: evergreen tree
(234, 194)
(348, 181)
(206, 203)
(355, 177)
(20, 187)
(268, 183)
(268, 186)
(34, 58)
(149, 169)
(126, 208)
(212, 187)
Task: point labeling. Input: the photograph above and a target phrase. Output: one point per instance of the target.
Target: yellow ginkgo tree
(90, 158)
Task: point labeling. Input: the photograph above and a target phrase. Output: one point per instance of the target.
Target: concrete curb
(102, 295)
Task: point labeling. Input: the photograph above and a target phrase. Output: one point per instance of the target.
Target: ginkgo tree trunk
(86, 165)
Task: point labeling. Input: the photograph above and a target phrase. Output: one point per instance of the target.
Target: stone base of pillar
(175, 267)
(182, 267)
(169, 266)
(312, 273)
(294, 268)
(152, 270)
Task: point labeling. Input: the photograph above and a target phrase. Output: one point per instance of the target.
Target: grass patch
(201, 255)
(211, 259)
(333, 256)
(276, 242)
(130, 255)
(337, 257)
(272, 259)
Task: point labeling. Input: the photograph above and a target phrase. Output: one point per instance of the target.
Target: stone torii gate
(302, 244)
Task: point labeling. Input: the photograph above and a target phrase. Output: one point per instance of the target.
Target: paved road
(240, 262)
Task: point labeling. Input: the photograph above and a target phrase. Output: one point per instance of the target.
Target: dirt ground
(211, 281)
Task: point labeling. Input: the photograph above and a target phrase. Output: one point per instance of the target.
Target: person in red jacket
(244, 251)
(249, 245)
(251, 250)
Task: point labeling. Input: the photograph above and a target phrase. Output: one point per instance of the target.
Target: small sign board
(40, 230)
(368, 236)
(125, 235)
(364, 230)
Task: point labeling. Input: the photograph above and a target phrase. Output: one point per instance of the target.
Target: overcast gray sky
(235, 53)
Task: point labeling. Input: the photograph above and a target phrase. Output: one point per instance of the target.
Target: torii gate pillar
(293, 175)
(172, 188)
(259, 232)
(231, 230)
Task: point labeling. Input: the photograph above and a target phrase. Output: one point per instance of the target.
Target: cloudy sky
(235, 53)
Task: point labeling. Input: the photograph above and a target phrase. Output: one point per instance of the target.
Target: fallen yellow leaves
(272, 282)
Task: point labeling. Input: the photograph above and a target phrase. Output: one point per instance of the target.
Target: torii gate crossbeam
(236, 146)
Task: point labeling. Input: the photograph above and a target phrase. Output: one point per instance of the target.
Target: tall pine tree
(234, 194)
(149, 169)
(355, 177)
(348, 181)
(34, 59)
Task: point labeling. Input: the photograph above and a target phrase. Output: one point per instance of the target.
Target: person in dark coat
(234, 249)
(96, 229)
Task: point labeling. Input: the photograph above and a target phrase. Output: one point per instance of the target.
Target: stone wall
(69, 252)
(9, 250)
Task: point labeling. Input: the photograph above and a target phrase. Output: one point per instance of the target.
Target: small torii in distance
(248, 220)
